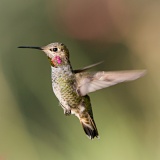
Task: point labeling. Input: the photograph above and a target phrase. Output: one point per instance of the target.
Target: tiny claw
(67, 112)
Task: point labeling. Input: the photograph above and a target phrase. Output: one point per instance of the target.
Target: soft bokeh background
(125, 34)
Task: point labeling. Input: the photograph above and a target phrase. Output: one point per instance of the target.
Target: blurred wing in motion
(87, 68)
(91, 81)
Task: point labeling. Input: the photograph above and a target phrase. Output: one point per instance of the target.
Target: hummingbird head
(57, 53)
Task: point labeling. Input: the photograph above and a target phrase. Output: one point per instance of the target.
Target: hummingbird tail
(89, 127)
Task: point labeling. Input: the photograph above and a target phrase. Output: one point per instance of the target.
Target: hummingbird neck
(58, 61)
(64, 70)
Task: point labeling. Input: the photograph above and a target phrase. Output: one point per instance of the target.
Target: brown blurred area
(95, 20)
(125, 34)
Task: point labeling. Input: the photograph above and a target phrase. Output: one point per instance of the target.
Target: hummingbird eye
(54, 49)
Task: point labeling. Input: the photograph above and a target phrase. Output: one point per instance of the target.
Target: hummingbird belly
(64, 87)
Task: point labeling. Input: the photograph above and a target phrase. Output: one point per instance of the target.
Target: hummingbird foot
(67, 112)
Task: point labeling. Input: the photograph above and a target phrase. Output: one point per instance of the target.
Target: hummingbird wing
(88, 67)
(91, 81)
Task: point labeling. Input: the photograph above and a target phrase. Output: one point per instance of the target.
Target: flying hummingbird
(71, 87)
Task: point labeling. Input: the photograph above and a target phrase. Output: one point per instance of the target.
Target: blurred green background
(125, 34)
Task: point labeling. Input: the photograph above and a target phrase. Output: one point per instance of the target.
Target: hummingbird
(72, 87)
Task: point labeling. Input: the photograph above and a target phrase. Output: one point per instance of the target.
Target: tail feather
(89, 127)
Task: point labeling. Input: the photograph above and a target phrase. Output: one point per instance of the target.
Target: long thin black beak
(30, 47)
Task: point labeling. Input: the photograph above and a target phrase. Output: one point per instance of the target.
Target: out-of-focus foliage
(125, 34)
